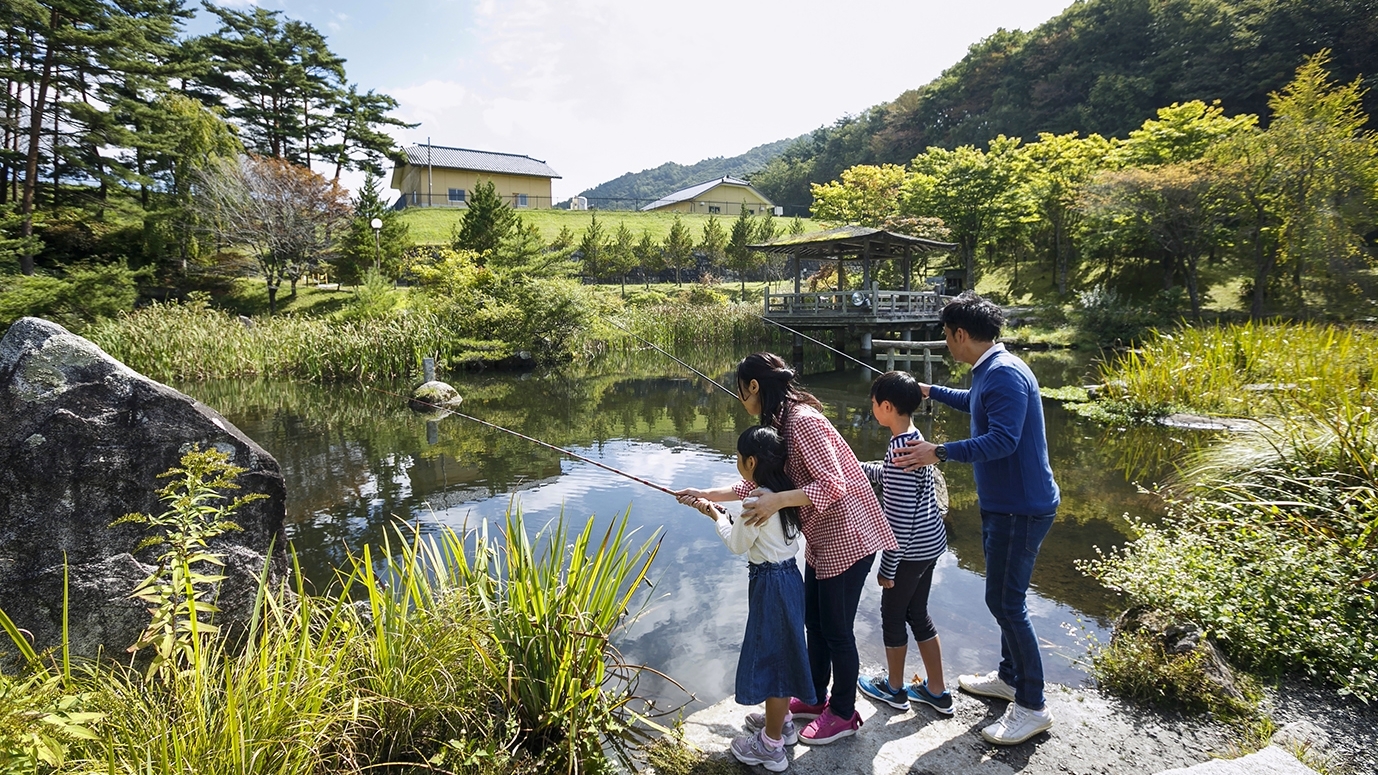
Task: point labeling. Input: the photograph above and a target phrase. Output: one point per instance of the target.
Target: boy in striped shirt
(911, 504)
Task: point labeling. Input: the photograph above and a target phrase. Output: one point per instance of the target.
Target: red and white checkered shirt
(843, 521)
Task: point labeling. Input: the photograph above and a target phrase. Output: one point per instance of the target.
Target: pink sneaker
(803, 711)
(829, 727)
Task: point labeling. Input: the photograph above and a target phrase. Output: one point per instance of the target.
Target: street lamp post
(377, 224)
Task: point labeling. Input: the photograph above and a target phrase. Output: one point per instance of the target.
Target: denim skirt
(774, 661)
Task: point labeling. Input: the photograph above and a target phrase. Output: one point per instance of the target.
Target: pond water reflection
(354, 457)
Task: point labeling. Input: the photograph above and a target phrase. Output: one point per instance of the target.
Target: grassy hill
(624, 192)
(432, 226)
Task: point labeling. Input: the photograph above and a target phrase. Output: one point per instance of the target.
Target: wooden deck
(862, 309)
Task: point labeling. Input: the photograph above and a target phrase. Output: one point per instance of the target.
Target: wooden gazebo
(868, 309)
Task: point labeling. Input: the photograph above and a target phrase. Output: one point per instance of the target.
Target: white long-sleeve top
(766, 543)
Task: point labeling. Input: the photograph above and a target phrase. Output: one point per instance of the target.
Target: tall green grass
(1244, 369)
(467, 654)
(694, 325)
(193, 342)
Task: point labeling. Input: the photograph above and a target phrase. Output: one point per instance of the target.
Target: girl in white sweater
(774, 662)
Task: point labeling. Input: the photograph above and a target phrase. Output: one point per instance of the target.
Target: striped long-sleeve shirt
(910, 502)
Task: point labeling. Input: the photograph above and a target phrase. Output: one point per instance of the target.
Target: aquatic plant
(1245, 369)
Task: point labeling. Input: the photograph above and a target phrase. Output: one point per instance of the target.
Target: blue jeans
(829, 616)
(1011, 543)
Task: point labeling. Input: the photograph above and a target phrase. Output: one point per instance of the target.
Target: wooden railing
(898, 351)
(876, 303)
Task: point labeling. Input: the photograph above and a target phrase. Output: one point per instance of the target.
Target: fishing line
(815, 341)
(649, 343)
(531, 439)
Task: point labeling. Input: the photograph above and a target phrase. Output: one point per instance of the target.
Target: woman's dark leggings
(829, 615)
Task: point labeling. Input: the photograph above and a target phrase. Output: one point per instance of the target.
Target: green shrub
(703, 295)
(1104, 317)
(1134, 665)
(84, 294)
(1276, 550)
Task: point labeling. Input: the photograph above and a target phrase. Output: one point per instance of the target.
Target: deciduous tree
(285, 214)
(974, 192)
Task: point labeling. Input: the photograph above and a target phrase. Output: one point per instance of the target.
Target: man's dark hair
(981, 318)
(899, 388)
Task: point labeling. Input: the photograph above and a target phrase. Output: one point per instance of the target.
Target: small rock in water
(435, 397)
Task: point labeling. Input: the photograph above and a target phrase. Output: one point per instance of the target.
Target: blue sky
(597, 88)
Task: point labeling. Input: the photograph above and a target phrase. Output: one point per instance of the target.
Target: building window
(456, 195)
(714, 210)
(521, 200)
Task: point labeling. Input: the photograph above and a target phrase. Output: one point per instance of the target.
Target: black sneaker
(879, 689)
(940, 702)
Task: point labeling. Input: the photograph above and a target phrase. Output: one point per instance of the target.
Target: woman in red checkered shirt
(843, 527)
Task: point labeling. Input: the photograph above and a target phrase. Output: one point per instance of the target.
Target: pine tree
(621, 252)
(647, 255)
(359, 143)
(487, 222)
(593, 249)
(678, 249)
(361, 247)
(739, 258)
(713, 243)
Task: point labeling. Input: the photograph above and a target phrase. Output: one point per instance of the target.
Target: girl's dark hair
(778, 388)
(764, 443)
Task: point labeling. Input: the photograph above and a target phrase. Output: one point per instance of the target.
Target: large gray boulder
(82, 441)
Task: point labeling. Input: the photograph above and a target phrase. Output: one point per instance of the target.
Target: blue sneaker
(879, 689)
(940, 702)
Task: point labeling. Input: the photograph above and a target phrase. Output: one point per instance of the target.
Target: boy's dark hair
(764, 444)
(899, 388)
(981, 318)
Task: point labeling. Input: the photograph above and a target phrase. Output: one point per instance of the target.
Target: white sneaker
(988, 685)
(1017, 725)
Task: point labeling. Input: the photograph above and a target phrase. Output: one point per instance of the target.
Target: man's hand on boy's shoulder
(915, 455)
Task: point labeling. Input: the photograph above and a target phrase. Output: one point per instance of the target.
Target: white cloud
(602, 87)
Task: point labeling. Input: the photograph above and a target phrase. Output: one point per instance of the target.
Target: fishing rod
(649, 343)
(533, 440)
(815, 341)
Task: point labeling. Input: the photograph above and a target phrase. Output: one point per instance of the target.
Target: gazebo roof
(854, 240)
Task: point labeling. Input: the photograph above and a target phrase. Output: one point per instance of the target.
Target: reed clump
(697, 325)
(456, 653)
(192, 341)
(1243, 369)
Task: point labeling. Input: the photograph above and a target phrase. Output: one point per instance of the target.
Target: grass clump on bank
(1244, 369)
(429, 654)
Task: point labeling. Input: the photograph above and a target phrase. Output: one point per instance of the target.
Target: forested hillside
(635, 188)
(1102, 66)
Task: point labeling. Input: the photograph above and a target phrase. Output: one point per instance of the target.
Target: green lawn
(432, 226)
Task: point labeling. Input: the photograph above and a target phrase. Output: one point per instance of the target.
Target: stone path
(1093, 734)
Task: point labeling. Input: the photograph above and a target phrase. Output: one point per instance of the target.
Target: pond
(355, 458)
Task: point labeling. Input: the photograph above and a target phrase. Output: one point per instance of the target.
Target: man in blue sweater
(1008, 449)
